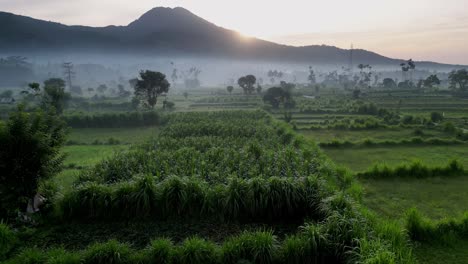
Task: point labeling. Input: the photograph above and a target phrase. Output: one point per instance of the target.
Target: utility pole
(69, 73)
(351, 66)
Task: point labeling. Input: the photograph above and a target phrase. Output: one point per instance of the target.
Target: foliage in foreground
(29, 152)
(312, 244)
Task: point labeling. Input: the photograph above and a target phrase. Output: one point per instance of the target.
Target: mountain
(169, 32)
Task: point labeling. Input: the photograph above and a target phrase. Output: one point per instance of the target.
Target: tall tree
(55, 95)
(151, 85)
(459, 80)
(311, 78)
(229, 89)
(430, 81)
(247, 83)
(389, 83)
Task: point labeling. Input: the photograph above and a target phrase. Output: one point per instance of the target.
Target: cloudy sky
(421, 29)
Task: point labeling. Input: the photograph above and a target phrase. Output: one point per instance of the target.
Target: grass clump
(198, 251)
(106, 253)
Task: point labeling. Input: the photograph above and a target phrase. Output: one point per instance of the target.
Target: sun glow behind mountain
(422, 29)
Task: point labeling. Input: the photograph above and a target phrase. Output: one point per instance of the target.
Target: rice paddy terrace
(217, 187)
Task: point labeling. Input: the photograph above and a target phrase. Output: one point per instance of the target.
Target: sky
(435, 30)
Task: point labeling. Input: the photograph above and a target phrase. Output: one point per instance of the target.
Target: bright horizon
(434, 30)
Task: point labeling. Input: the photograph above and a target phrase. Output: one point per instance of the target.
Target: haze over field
(432, 30)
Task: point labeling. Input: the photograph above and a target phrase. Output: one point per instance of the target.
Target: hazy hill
(166, 31)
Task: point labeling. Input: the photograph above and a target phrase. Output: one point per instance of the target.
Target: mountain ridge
(171, 32)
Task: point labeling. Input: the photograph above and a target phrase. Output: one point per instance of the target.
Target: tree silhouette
(151, 85)
(459, 80)
(229, 89)
(247, 83)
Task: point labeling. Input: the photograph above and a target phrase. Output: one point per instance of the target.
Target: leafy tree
(135, 103)
(274, 74)
(436, 117)
(287, 86)
(55, 95)
(247, 83)
(356, 93)
(406, 85)
(122, 92)
(407, 67)
(365, 72)
(389, 83)
(102, 88)
(6, 94)
(29, 153)
(133, 82)
(331, 79)
(151, 85)
(275, 96)
(259, 89)
(459, 80)
(186, 94)
(430, 81)
(168, 105)
(174, 77)
(191, 78)
(229, 89)
(311, 78)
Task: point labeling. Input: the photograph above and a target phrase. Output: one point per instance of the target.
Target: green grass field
(434, 197)
(456, 253)
(124, 135)
(360, 159)
(326, 135)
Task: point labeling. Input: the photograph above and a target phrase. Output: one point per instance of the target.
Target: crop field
(272, 193)
(218, 180)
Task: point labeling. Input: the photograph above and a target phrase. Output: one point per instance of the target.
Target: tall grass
(257, 199)
(106, 253)
(414, 170)
(421, 229)
(198, 251)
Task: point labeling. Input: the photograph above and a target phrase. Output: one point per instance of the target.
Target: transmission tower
(69, 73)
(351, 66)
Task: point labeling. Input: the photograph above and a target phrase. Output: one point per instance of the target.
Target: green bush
(198, 251)
(160, 251)
(413, 170)
(8, 240)
(109, 252)
(257, 247)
